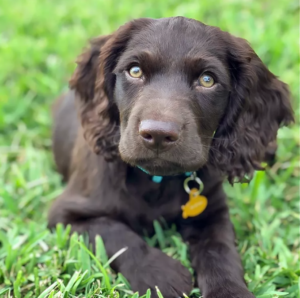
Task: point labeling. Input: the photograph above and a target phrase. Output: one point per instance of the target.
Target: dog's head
(171, 95)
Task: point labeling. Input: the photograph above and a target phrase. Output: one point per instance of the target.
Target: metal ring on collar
(193, 178)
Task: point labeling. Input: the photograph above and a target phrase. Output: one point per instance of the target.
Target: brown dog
(169, 96)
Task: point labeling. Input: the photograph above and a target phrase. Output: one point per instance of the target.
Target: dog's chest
(151, 201)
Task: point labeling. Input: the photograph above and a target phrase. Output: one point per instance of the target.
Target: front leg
(214, 256)
(144, 267)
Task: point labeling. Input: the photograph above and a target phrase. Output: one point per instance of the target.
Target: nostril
(171, 139)
(147, 136)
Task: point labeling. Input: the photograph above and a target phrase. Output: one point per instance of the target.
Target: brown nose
(159, 135)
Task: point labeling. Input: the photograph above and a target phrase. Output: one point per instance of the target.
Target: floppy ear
(94, 111)
(93, 82)
(259, 103)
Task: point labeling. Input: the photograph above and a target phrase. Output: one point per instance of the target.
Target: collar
(158, 179)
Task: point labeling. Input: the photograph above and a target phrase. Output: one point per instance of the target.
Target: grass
(39, 41)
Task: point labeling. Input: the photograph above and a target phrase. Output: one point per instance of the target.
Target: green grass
(39, 41)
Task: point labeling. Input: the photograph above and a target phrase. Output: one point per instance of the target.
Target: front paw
(230, 291)
(159, 270)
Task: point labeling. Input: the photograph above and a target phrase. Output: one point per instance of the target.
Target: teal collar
(158, 179)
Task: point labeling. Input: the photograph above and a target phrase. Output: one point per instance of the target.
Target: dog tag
(196, 204)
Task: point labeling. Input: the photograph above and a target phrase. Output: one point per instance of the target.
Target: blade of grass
(160, 234)
(105, 275)
(48, 290)
(117, 254)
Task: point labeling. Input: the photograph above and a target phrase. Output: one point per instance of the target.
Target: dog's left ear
(259, 103)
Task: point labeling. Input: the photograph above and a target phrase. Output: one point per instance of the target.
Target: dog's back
(64, 132)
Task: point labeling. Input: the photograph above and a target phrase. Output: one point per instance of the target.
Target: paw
(230, 291)
(159, 270)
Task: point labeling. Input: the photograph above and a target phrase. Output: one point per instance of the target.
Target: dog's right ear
(84, 78)
(93, 109)
(93, 82)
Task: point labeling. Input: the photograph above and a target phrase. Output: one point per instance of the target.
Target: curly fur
(258, 103)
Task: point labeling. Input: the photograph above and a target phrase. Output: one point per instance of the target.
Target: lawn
(39, 40)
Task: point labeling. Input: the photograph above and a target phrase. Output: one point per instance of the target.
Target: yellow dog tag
(195, 206)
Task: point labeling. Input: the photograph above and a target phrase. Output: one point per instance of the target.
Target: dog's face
(179, 94)
(171, 91)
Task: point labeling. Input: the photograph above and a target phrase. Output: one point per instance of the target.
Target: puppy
(150, 104)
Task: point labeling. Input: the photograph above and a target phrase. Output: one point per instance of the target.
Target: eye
(206, 81)
(135, 72)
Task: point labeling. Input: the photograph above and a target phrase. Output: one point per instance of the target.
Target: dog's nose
(159, 135)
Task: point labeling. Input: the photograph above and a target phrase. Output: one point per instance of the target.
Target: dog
(158, 114)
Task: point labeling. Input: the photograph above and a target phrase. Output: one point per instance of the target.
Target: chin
(159, 171)
(158, 167)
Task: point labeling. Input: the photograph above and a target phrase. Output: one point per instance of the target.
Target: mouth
(163, 165)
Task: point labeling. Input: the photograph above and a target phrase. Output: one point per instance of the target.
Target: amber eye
(206, 81)
(135, 72)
